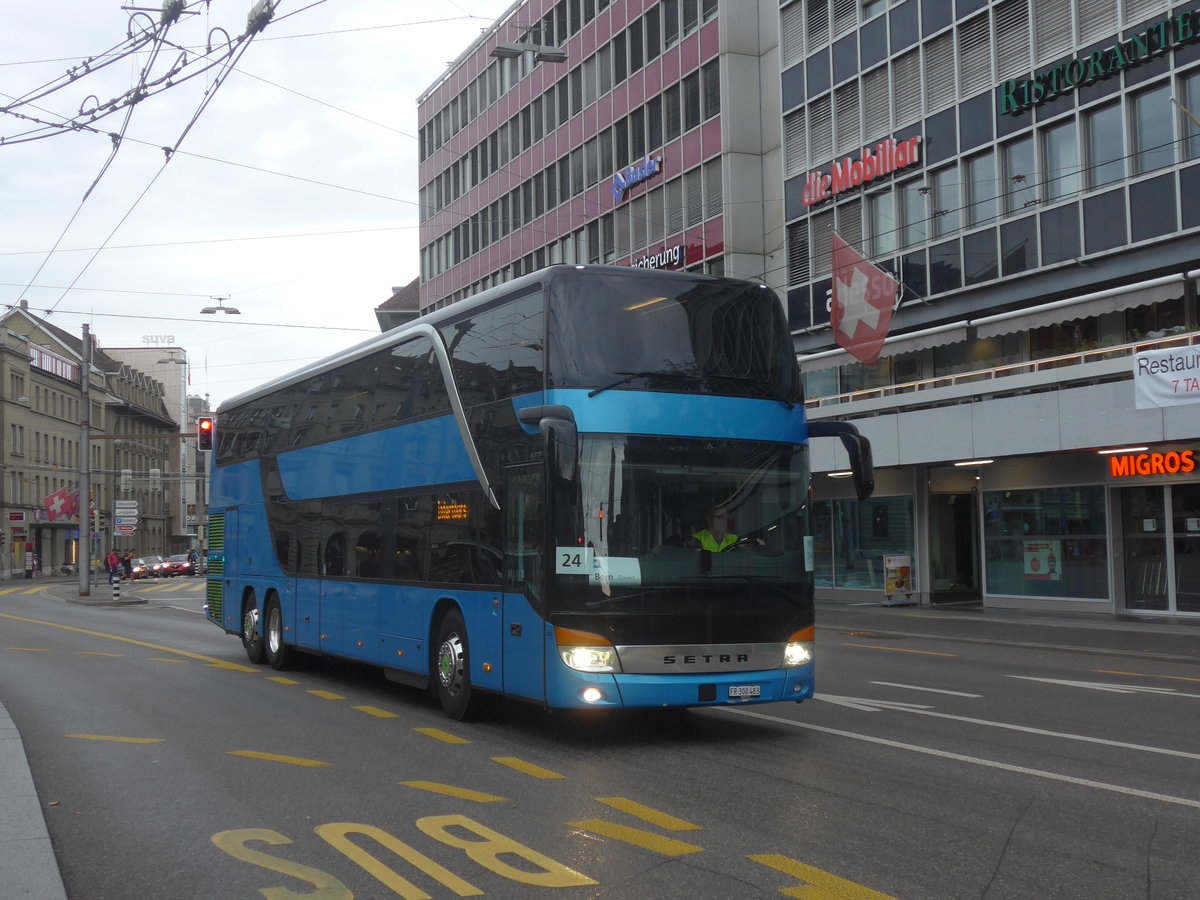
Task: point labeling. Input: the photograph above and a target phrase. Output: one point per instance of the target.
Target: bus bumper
(577, 690)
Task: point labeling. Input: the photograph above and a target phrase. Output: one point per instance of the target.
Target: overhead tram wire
(227, 323)
(243, 44)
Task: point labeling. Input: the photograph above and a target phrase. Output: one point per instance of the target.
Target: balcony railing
(1024, 377)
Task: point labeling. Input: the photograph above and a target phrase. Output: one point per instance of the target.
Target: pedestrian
(114, 566)
(127, 565)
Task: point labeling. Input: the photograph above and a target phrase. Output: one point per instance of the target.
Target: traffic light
(204, 433)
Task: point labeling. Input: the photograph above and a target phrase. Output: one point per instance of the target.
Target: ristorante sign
(1019, 94)
(888, 156)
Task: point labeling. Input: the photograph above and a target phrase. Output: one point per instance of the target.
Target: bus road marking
(897, 649)
(526, 768)
(279, 679)
(327, 695)
(648, 814)
(817, 883)
(109, 737)
(213, 662)
(656, 843)
(915, 687)
(444, 736)
(450, 790)
(988, 763)
(275, 757)
(376, 712)
(1146, 675)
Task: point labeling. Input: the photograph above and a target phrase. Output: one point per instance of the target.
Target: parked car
(148, 567)
(179, 564)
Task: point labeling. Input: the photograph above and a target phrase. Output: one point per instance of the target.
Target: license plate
(744, 690)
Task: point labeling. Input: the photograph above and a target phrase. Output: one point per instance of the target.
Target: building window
(1105, 146)
(1191, 115)
(881, 212)
(947, 201)
(913, 213)
(1153, 132)
(980, 172)
(1060, 154)
(1020, 176)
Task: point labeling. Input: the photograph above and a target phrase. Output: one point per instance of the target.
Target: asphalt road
(949, 756)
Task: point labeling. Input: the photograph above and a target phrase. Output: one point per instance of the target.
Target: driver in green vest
(715, 538)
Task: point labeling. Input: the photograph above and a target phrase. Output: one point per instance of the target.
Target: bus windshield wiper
(767, 389)
(629, 376)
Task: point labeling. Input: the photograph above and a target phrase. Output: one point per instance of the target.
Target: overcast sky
(293, 194)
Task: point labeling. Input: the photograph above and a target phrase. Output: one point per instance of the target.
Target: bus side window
(333, 555)
(366, 552)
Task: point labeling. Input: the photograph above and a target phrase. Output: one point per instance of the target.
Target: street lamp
(220, 307)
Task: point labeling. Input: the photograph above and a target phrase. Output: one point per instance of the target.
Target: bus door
(524, 582)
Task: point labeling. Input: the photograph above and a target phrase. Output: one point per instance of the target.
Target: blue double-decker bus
(587, 487)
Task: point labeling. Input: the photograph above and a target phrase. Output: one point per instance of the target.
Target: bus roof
(453, 312)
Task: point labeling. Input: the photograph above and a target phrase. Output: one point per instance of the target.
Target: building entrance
(1161, 538)
(953, 547)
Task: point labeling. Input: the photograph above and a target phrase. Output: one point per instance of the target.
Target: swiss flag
(863, 297)
(60, 504)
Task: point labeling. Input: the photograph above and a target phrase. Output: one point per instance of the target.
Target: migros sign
(889, 156)
(1171, 463)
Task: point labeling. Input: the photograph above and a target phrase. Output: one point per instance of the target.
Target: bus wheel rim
(250, 630)
(274, 634)
(450, 664)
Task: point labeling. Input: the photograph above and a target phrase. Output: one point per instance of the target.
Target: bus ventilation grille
(216, 566)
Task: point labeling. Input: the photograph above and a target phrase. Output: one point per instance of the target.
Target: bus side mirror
(560, 437)
(858, 448)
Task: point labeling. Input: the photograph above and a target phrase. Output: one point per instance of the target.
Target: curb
(26, 853)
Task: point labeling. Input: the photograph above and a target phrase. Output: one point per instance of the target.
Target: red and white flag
(863, 298)
(61, 505)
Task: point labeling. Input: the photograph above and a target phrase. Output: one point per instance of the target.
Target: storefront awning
(1097, 303)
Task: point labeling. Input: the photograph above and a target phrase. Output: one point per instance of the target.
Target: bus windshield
(643, 331)
(661, 524)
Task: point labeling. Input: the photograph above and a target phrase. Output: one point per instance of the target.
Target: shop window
(1048, 542)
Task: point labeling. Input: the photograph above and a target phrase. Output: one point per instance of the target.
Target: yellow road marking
(451, 791)
(176, 587)
(30, 649)
(377, 712)
(527, 768)
(98, 653)
(327, 695)
(648, 814)
(212, 661)
(279, 679)
(10, 590)
(1146, 675)
(644, 839)
(898, 649)
(160, 659)
(108, 737)
(439, 735)
(34, 590)
(820, 885)
(275, 757)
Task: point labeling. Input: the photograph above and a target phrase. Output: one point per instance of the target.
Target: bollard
(116, 586)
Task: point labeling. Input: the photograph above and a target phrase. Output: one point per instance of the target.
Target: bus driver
(715, 538)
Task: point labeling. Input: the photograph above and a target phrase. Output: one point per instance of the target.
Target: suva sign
(1019, 94)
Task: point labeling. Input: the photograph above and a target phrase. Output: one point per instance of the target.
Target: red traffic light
(204, 433)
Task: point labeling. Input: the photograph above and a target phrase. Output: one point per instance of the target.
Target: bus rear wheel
(252, 637)
(452, 669)
(279, 655)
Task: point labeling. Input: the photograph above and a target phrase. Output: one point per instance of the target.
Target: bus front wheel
(278, 653)
(252, 638)
(452, 668)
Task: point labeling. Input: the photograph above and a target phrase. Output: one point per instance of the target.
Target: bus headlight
(799, 648)
(586, 652)
(798, 653)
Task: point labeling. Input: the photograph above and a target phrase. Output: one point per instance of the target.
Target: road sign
(125, 520)
(125, 504)
(126, 529)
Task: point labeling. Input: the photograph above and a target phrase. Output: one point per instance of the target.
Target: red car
(179, 564)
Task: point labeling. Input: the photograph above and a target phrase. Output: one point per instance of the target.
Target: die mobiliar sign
(887, 157)
(1019, 94)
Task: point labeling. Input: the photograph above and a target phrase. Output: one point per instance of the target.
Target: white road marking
(915, 687)
(866, 706)
(1111, 688)
(973, 760)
